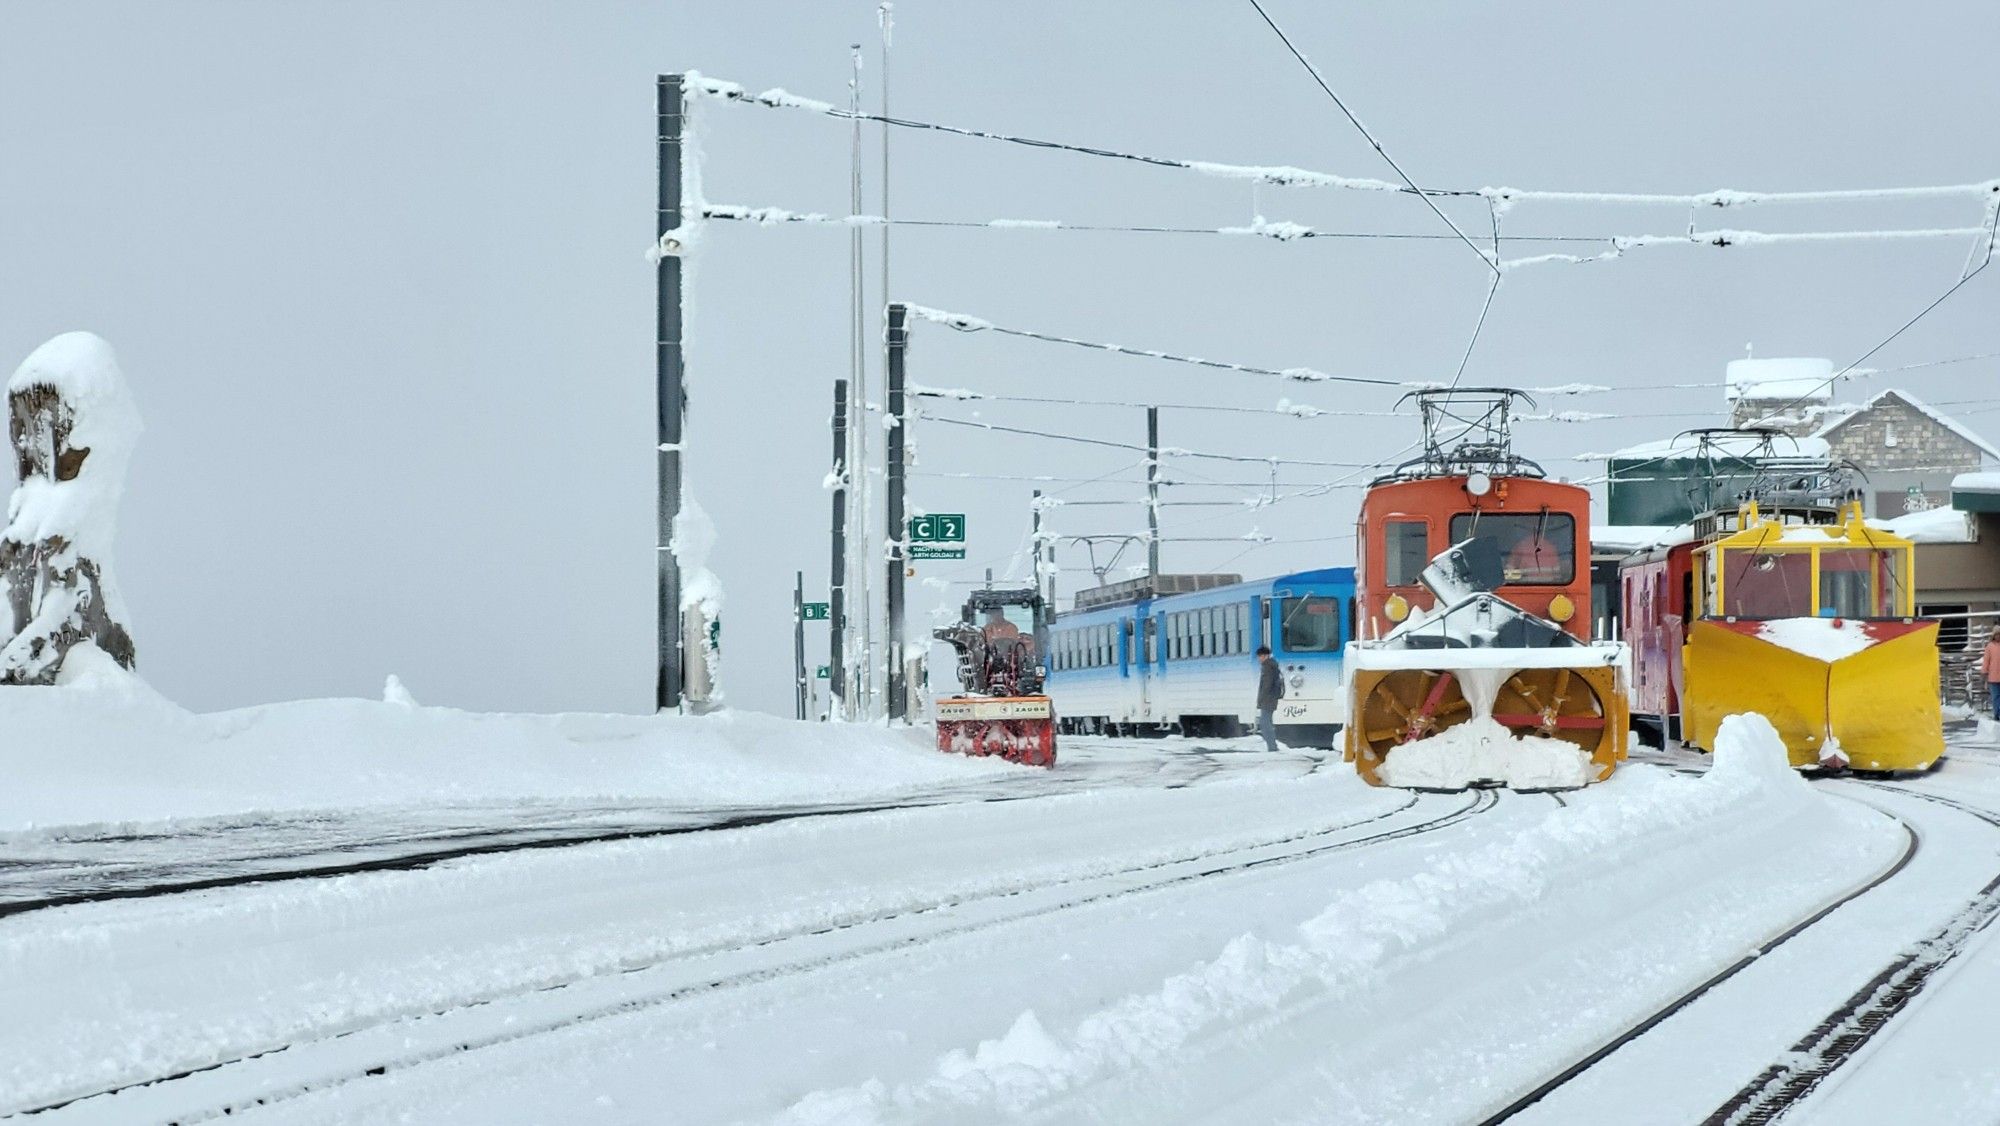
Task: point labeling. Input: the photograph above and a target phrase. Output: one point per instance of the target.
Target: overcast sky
(376, 273)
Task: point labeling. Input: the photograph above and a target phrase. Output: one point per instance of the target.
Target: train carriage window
(1353, 617)
(1536, 549)
(1406, 551)
(1310, 624)
(1152, 640)
(1242, 614)
(1201, 633)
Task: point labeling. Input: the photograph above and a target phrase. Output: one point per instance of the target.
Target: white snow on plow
(1481, 750)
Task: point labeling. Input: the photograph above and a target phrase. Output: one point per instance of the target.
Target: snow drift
(1383, 938)
(128, 754)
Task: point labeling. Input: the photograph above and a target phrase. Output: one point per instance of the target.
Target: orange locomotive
(1474, 664)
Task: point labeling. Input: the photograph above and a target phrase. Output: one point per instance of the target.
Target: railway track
(27, 887)
(279, 1072)
(1653, 1020)
(1842, 1034)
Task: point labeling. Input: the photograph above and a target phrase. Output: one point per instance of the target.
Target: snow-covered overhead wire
(1277, 231)
(1287, 176)
(1813, 392)
(966, 323)
(1614, 246)
(1492, 261)
(1165, 451)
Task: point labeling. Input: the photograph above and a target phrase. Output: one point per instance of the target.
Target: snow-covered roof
(1789, 378)
(1920, 407)
(1933, 525)
(1976, 483)
(1624, 539)
(1729, 445)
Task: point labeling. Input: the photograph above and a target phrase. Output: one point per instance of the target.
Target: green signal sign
(938, 527)
(816, 612)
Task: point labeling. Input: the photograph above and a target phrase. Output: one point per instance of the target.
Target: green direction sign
(823, 672)
(938, 527)
(919, 551)
(816, 612)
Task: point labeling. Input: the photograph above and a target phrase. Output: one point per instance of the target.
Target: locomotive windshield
(1854, 582)
(1311, 624)
(1538, 549)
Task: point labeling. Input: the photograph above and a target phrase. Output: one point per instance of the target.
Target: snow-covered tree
(73, 425)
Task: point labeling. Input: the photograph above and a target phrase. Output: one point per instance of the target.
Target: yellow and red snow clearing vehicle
(1474, 664)
(1793, 607)
(1001, 708)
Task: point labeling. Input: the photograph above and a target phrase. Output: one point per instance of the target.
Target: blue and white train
(1134, 663)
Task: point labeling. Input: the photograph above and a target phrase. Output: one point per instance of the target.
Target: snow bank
(1364, 936)
(1750, 753)
(1481, 749)
(127, 754)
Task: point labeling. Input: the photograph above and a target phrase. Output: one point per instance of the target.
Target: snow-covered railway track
(119, 865)
(1912, 843)
(1836, 1040)
(280, 1072)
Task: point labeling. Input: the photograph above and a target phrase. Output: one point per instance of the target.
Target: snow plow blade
(1856, 694)
(1017, 728)
(1503, 725)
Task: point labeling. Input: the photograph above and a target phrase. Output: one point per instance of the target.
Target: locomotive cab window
(1310, 624)
(1767, 584)
(1536, 548)
(1406, 551)
(1857, 583)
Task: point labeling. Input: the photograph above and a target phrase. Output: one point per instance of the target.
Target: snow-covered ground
(1165, 931)
(130, 756)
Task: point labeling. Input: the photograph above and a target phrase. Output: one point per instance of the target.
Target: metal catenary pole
(896, 525)
(799, 639)
(1153, 497)
(672, 399)
(1035, 540)
(836, 620)
(859, 695)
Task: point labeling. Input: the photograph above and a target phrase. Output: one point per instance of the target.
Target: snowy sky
(376, 272)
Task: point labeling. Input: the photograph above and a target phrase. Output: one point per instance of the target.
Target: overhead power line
(1288, 176)
(1615, 246)
(1492, 261)
(1165, 451)
(966, 323)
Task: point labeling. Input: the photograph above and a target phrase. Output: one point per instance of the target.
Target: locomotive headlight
(1561, 608)
(1397, 607)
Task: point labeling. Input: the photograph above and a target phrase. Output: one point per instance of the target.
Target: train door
(1148, 656)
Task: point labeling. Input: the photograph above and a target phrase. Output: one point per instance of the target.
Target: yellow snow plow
(1813, 626)
(1859, 694)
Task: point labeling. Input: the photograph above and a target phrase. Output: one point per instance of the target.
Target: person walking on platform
(1271, 689)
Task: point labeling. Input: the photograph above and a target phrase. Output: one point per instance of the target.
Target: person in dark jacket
(1270, 689)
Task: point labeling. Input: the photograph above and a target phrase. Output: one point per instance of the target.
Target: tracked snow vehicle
(1001, 707)
(1474, 665)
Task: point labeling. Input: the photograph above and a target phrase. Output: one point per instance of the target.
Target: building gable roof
(1826, 430)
